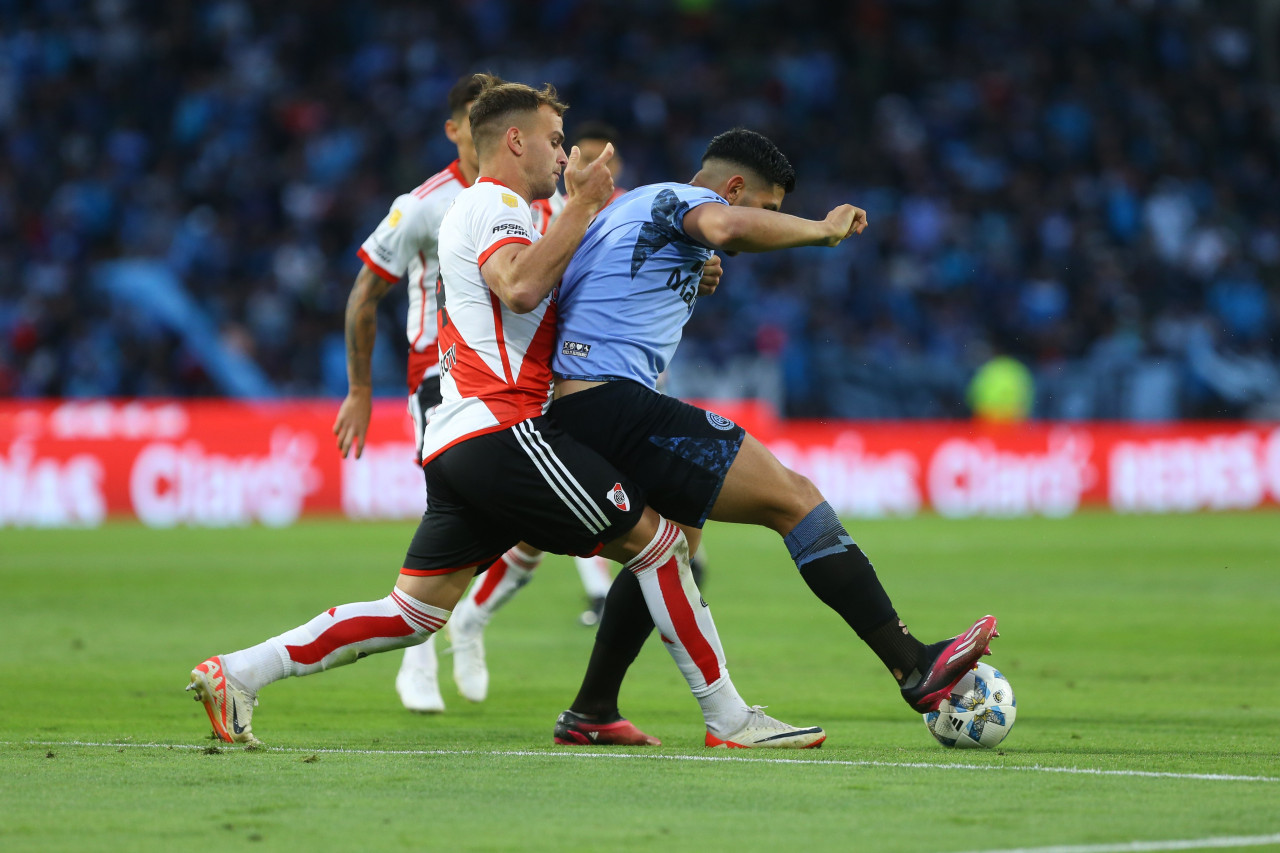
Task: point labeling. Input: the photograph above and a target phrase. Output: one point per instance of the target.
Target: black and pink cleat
(925, 692)
(576, 730)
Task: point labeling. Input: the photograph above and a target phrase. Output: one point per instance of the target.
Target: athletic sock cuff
(523, 559)
(424, 618)
(655, 553)
(819, 534)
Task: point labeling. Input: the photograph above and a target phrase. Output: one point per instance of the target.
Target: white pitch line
(737, 759)
(1141, 846)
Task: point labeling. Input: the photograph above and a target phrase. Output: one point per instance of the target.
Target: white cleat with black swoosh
(764, 732)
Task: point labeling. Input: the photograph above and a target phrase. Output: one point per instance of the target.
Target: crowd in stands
(1091, 188)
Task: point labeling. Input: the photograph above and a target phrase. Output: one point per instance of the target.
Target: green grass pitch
(1144, 651)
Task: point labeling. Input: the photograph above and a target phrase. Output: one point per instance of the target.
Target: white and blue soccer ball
(979, 712)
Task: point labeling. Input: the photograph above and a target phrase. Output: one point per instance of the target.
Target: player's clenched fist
(712, 270)
(845, 221)
(591, 184)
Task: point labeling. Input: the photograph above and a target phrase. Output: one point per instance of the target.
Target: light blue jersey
(630, 287)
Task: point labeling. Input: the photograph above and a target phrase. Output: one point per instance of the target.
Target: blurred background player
(591, 137)
(1002, 390)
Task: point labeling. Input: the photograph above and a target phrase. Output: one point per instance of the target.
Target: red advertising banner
(220, 463)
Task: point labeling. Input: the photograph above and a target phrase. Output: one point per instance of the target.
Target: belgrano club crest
(619, 497)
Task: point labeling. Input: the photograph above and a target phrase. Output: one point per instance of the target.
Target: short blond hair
(499, 102)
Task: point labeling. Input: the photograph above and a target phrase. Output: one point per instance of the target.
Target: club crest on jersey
(575, 349)
(394, 219)
(509, 200)
(719, 421)
(619, 497)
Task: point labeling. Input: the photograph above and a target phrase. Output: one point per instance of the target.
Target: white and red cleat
(229, 707)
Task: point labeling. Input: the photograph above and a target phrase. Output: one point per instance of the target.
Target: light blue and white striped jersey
(630, 287)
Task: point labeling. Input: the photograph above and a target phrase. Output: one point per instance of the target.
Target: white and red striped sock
(339, 636)
(684, 621)
(503, 580)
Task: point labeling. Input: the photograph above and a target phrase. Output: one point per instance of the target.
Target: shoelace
(757, 713)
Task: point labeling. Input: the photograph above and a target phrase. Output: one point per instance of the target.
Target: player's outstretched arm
(361, 328)
(751, 229)
(522, 275)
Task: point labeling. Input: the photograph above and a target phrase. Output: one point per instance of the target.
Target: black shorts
(422, 403)
(677, 453)
(530, 483)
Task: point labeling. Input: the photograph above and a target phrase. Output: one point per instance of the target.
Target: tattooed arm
(361, 329)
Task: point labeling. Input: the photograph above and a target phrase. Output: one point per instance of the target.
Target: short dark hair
(596, 130)
(466, 90)
(498, 100)
(755, 152)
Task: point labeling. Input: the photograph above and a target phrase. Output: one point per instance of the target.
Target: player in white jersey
(498, 470)
(404, 245)
(506, 577)
(623, 301)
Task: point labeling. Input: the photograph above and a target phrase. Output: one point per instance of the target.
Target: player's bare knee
(632, 542)
(799, 500)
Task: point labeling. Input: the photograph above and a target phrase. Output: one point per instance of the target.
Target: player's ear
(734, 189)
(515, 140)
(451, 130)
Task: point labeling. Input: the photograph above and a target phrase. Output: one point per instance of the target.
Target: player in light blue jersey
(631, 286)
(623, 303)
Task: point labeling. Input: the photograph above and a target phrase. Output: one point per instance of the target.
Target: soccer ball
(979, 712)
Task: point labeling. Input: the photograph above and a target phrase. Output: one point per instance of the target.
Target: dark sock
(905, 656)
(698, 565)
(623, 628)
(843, 578)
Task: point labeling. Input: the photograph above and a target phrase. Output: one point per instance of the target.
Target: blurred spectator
(1096, 185)
(1002, 391)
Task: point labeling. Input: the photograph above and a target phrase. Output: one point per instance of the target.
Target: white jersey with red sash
(494, 363)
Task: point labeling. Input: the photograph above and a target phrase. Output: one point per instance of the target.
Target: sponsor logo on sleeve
(393, 219)
(509, 200)
(511, 229)
(575, 349)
